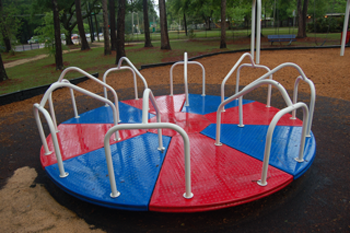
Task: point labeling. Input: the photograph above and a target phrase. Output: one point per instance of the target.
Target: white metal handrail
(53, 129)
(268, 103)
(134, 68)
(61, 79)
(115, 193)
(232, 70)
(116, 69)
(244, 91)
(305, 79)
(36, 109)
(272, 126)
(148, 96)
(189, 62)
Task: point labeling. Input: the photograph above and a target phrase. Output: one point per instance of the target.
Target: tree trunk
(211, 14)
(112, 25)
(185, 23)
(69, 38)
(163, 26)
(223, 25)
(4, 32)
(148, 42)
(302, 13)
(121, 31)
(58, 43)
(3, 75)
(105, 27)
(97, 31)
(7, 42)
(84, 43)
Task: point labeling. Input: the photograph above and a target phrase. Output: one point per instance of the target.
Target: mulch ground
(317, 201)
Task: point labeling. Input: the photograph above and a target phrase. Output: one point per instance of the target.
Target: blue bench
(281, 38)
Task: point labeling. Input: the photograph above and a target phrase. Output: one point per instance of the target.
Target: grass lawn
(7, 57)
(41, 72)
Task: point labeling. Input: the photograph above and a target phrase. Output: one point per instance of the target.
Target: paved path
(26, 60)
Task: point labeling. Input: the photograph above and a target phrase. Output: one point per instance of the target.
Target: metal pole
(258, 33)
(345, 28)
(252, 34)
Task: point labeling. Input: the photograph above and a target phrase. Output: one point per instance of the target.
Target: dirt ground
(29, 202)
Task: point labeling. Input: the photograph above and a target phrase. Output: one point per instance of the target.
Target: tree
(223, 25)
(8, 23)
(121, 31)
(3, 75)
(146, 24)
(105, 27)
(112, 25)
(182, 6)
(302, 12)
(67, 7)
(84, 43)
(58, 43)
(163, 26)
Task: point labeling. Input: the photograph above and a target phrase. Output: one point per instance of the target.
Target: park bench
(281, 38)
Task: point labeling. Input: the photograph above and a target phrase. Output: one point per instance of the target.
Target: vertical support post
(258, 33)
(241, 125)
(345, 28)
(252, 34)
(185, 77)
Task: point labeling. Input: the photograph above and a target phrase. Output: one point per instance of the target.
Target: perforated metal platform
(152, 180)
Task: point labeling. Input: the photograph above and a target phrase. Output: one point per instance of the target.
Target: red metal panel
(167, 104)
(77, 139)
(188, 121)
(254, 114)
(221, 177)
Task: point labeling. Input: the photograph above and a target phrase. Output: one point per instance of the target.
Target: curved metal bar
(76, 115)
(36, 109)
(232, 70)
(52, 108)
(56, 85)
(304, 78)
(256, 66)
(189, 62)
(134, 68)
(295, 95)
(145, 107)
(116, 69)
(115, 193)
(276, 118)
(73, 68)
(244, 91)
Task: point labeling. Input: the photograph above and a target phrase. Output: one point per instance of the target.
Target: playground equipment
(182, 153)
(345, 28)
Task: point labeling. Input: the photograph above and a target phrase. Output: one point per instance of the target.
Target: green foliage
(191, 34)
(9, 24)
(322, 24)
(46, 33)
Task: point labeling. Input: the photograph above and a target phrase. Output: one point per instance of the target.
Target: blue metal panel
(137, 163)
(285, 144)
(207, 104)
(128, 114)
